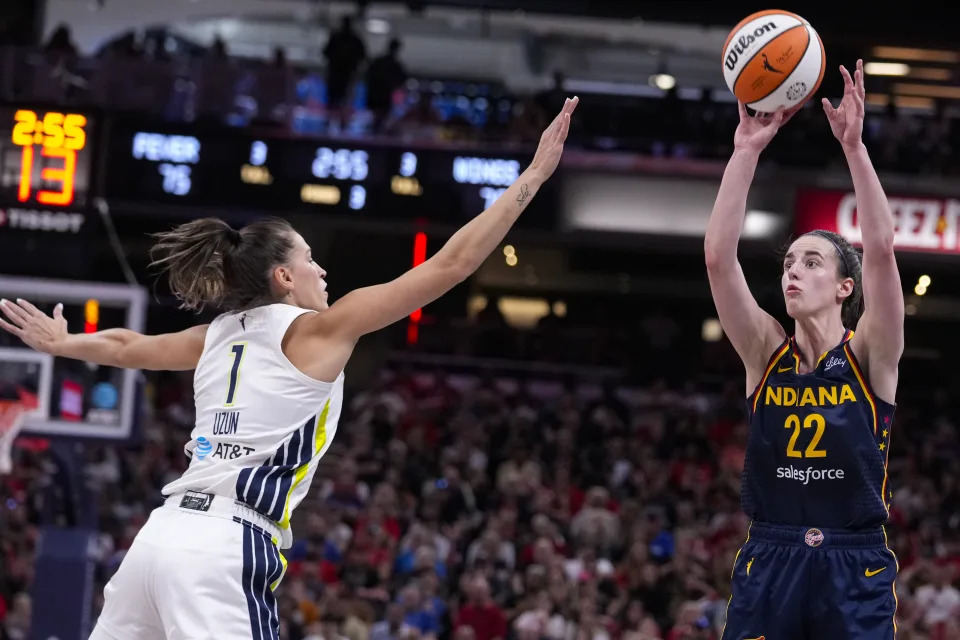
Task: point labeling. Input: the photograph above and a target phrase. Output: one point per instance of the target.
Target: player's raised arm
(879, 337)
(752, 331)
(371, 308)
(111, 347)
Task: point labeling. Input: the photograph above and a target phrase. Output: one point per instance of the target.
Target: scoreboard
(54, 163)
(239, 170)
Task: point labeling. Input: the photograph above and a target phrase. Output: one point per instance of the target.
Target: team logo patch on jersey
(813, 537)
(196, 501)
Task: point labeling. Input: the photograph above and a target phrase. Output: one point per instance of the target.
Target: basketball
(773, 59)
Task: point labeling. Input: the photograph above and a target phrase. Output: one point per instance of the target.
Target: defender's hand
(548, 154)
(37, 330)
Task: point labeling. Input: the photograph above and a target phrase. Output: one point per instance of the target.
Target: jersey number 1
(814, 420)
(236, 351)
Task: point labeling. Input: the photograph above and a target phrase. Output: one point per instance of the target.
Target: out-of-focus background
(553, 450)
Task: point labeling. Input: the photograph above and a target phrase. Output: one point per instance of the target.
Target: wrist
(854, 149)
(61, 348)
(747, 153)
(533, 176)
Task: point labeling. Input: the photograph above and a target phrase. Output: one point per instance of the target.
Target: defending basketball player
(268, 387)
(820, 404)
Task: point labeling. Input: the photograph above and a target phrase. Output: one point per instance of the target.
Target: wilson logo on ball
(773, 59)
(733, 55)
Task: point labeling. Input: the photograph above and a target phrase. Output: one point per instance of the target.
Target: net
(12, 415)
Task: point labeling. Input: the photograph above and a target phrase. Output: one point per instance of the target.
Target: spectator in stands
(392, 627)
(344, 53)
(218, 50)
(60, 45)
(480, 613)
(16, 624)
(385, 75)
(937, 603)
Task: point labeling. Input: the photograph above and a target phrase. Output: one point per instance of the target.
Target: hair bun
(233, 236)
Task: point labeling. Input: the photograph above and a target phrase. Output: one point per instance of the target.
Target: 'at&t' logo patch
(203, 448)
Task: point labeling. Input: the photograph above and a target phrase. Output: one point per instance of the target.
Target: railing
(678, 128)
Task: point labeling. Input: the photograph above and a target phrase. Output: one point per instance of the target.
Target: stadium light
(663, 81)
(886, 68)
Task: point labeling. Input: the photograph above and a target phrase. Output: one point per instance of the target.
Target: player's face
(309, 286)
(809, 282)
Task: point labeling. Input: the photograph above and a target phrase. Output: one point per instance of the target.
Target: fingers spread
(29, 308)
(742, 108)
(15, 313)
(847, 80)
(6, 326)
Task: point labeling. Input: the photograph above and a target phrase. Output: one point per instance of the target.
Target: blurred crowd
(356, 92)
(484, 507)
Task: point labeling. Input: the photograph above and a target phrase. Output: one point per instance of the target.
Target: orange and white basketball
(773, 59)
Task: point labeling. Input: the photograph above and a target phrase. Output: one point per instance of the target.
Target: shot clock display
(45, 158)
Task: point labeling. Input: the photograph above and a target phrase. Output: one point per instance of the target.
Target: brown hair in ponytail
(209, 263)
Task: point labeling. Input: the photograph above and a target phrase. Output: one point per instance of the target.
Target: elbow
(884, 245)
(457, 268)
(460, 270)
(712, 255)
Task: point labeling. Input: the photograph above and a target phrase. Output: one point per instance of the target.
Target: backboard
(77, 399)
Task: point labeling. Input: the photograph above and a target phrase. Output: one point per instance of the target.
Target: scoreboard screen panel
(237, 169)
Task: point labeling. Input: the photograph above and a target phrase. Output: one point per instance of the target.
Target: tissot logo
(36, 220)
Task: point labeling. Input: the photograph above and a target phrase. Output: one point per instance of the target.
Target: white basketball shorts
(202, 567)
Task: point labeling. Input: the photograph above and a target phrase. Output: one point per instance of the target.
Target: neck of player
(816, 335)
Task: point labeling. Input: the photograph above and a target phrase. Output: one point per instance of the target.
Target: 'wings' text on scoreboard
(234, 170)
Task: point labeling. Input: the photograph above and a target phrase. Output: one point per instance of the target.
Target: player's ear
(845, 288)
(283, 279)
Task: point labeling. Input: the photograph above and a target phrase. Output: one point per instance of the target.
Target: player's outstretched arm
(879, 337)
(752, 331)
(371, 308)
(111, 347)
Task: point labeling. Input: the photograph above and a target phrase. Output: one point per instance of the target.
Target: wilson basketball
(773, 59)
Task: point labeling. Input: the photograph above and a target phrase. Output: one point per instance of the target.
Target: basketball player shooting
(820, 405)
(268, 387)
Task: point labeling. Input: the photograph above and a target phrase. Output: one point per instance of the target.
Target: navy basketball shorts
(797, 583)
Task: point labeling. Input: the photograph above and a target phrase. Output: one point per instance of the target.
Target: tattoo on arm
(524, 194)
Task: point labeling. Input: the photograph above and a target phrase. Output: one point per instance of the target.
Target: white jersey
(262, 424)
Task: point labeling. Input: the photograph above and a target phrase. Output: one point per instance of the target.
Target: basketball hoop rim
(13, 413)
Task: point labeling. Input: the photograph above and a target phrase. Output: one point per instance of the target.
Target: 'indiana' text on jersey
(818, 445)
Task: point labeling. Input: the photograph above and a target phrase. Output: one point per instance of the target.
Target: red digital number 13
(64, 175)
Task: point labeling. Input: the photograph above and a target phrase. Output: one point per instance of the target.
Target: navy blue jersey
(818, 444)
